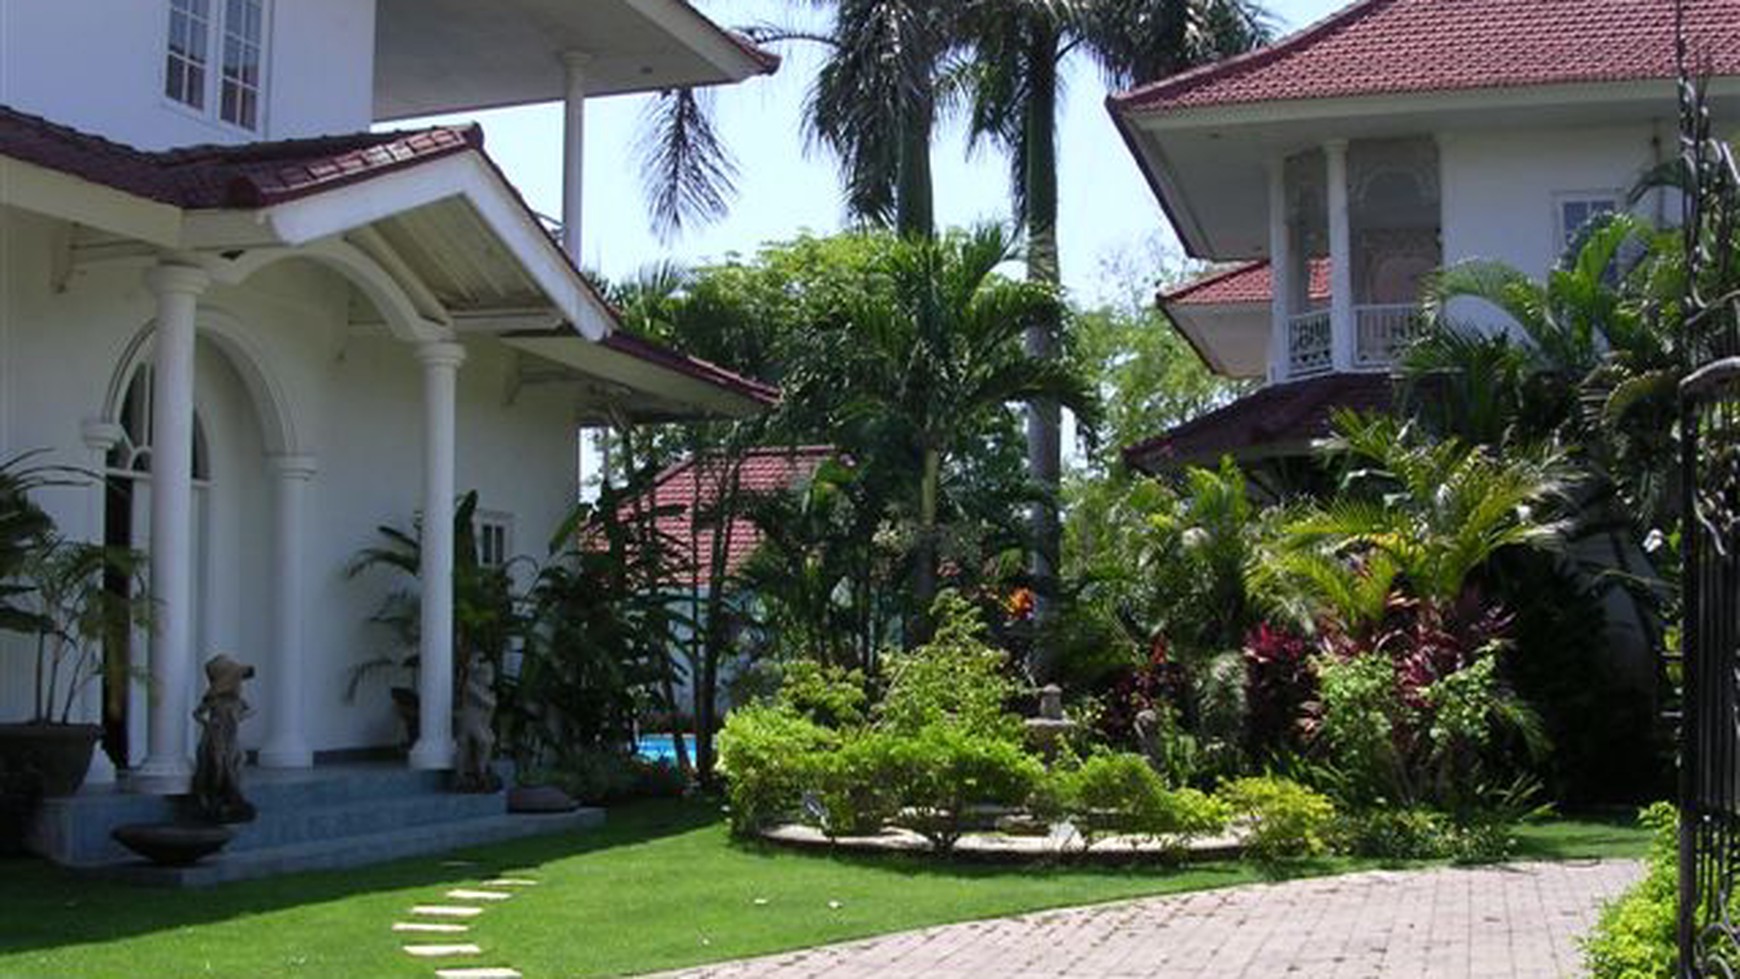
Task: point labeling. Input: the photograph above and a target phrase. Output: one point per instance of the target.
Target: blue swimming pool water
(663, 747)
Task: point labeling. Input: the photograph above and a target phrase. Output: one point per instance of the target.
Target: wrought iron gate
(1709, 341)
(1709, 938)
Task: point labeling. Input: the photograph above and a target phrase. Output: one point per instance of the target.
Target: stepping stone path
(477, 900)
(464, 894)
(441, 951)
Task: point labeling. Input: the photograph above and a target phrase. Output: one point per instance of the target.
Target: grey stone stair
(349, 851)
(307, 820)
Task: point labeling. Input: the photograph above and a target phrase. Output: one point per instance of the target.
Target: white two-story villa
(1341, 165)
(263, 329)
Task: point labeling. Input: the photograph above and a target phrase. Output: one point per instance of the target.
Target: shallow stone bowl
(172, 844)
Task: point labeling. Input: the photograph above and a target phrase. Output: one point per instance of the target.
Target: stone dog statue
(474, 729)
(217, 773)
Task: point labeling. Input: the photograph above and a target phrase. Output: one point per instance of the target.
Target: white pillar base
(431, 757)
(153, 778)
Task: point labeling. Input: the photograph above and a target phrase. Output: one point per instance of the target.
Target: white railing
(1310, 344)
(1383, 332)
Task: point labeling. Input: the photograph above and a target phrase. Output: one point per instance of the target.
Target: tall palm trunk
(915, 197)
(924, 577)
(1044, 420)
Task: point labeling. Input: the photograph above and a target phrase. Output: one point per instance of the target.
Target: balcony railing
(1310, 344)
(1383, 332)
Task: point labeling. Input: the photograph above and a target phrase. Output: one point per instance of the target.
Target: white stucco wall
(97, 65)
(1501, 189)
(355, 403)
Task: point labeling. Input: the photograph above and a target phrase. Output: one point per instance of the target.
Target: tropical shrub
(945, 770)
(831, 696)
(601, 777)
(1121, 794)
(1281, 818)
(23, 527)
(860, 788)
(1393, 834)
(957, 679)
(1279, 682)
(767, 755)
(1635, 936)
(1415, 712)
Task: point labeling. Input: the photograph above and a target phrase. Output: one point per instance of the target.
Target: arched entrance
(126, 524)
(240, 425)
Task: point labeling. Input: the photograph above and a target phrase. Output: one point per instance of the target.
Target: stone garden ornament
(474, 726)
(217, 773)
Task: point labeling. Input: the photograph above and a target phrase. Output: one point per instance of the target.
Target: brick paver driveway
(1513, 921)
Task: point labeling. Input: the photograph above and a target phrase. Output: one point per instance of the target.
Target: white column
(1280, 269)
(287, 742)
(573, 150)
(100, 436)
(1341, 326)
(168, 768)
(434, 747)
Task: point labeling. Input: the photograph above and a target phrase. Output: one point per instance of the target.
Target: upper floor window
(233, 31)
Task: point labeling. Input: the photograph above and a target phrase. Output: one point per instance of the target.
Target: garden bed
(1056, 847)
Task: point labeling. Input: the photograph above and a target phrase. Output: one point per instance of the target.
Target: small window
(240, 97)
(494, 539)
(189, 46)
(1576, 211)
(236, 31)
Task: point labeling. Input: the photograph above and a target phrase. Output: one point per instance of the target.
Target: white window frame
(1614, 200)
(211, 111)
(494, 520)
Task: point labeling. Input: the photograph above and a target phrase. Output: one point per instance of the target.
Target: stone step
(301, 823)
(354, 851)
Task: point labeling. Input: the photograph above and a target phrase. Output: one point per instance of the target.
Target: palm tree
(941, 351)
(688, 174)
(1592, 365)
(1015, 86)
(1418, 515)
(874, 103)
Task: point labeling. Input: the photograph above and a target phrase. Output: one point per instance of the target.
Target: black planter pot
(58, 754)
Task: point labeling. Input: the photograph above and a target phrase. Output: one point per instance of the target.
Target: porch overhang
(444, 56)
(625, 377)
(1276, 421)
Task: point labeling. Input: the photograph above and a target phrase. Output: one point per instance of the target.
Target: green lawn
(660, 887)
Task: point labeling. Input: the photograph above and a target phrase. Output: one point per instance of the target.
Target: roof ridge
(1256, 57)
(1213, 278)
(267, 150)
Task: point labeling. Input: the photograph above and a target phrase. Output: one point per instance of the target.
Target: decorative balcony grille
(1384, 331)
(1310, 344)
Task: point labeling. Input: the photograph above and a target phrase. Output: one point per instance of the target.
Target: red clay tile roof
(679, 491)
(1385, 47)
(1283, 416)
(1247, 283)
(247, 175)
(254, 175)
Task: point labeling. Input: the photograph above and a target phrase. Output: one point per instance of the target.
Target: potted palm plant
(57, 591)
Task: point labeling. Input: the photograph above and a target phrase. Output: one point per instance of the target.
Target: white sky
(1106, 207)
